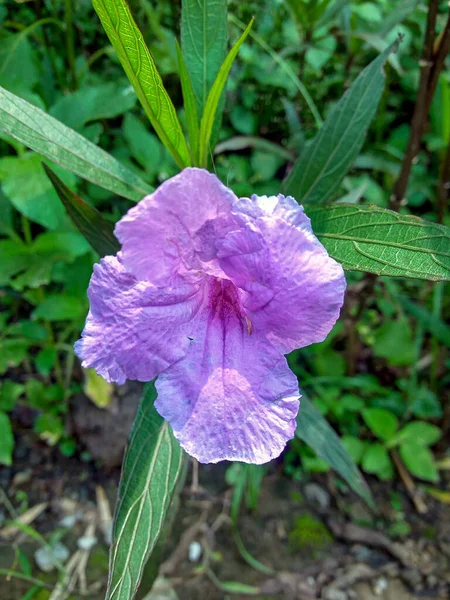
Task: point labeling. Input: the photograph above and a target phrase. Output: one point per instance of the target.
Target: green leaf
(144, 146)
(45, 360)
(152, 466)
(425, 404)
(431, 323)
(50, 138)
(394, 342)
(419, 461)
(12, 353)
(49, 427)
(204, 37)
(6, 440)
(354, 446)
(32, 265)
(9, 392)
(97, 389)
(380, 241)
(141, 70)
(418, 432)
(189, 105)
(315, 431)
(104, 101)
(24, 182)
(18, 70)
(382, 423)
(376, 460)
(240, 142)
(318, 172)
(212, 101)
(60, 308)
(97, 230)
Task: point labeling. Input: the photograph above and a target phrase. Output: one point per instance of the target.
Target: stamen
(249, 325)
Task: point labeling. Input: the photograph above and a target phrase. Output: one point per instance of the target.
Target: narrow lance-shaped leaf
(97, 230)
(315, 431)
(204, 37)
(67, 148)
(141, 70)
(212, 102)
(380, 241)
(152, 466)
(318, 172)
(189, 106)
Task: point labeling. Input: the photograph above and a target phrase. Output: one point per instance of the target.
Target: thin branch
(439, 56)
(444, 187)
(420, 114)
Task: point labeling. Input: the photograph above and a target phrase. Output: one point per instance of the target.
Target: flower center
(225, 303)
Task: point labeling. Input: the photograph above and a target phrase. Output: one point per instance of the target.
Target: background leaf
(104, 101)
(6, 440)
(47, 136)
(204, 37)
(212, 101)
(97, 230)
(420, 433)
(31, 193)
(382, 423)
(376, 460)
(318, 172)
(419, 461)
(152, 466)
(315, 431)
(141, 70)
(190, 107)
(384, 242)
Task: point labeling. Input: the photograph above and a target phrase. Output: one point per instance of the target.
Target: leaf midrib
(136, 84)
(142, 497)
(381, 242)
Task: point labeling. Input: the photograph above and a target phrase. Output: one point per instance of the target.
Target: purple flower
(209, 292)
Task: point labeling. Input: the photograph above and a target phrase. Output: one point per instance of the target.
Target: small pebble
(86, 542)
(380, 586)
(195, 551)
(317, 497)
(46, 557)
(334, 594)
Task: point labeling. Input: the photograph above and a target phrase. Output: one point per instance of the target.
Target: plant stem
(444, 187)
(70, 43)
(438, 291)
(431, 65)
(32, 580)
(26, 229)
(51, 338)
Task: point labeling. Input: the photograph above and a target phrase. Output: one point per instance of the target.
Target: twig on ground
(362, 535)
(25, 519)
(408, 482)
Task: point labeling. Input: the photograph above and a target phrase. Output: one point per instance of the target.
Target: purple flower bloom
(209, 292)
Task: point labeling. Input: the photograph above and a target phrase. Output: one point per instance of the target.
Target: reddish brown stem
(444, 187)
(427, 74)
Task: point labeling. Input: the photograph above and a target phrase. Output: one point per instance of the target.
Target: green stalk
(438, 290)
(70, 43)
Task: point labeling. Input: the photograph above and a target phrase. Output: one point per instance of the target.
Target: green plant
(46, 263)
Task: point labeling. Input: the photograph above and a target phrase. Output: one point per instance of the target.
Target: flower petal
(293, 290)
(134, 330)
(233, 396)
(171, 233)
